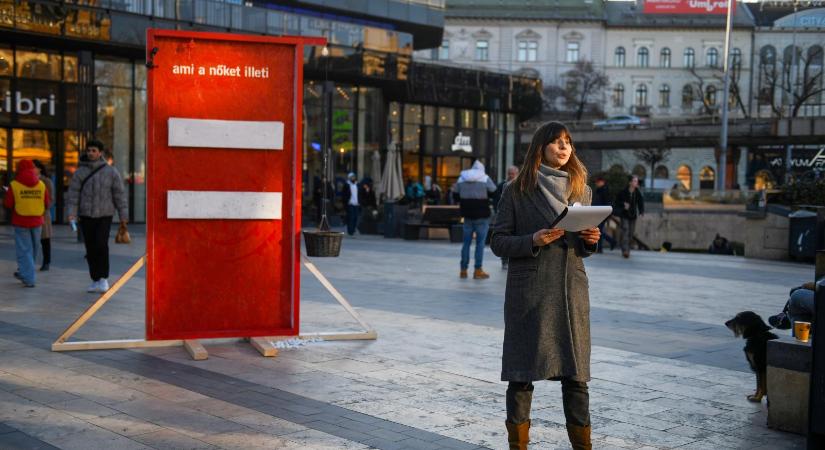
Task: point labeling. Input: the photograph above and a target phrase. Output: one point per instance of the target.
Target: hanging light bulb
(325, 51)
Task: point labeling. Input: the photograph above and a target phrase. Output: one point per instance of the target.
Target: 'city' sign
(462, 144)
(686, 7)
(17, 102)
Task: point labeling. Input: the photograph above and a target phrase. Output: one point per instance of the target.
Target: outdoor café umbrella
(375, 169)
(392, 183)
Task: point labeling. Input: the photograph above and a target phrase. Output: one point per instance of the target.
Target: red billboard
(223, 184)
(686, 6)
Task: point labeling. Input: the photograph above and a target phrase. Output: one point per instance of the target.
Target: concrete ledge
(789, 378)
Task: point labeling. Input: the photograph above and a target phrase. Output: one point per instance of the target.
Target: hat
(25, 164)
(351, 175)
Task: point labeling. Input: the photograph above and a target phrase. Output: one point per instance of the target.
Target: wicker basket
(323, 243)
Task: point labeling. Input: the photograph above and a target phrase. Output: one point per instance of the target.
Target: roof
(526, 9)
(629, 14)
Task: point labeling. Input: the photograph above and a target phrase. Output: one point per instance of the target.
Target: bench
(433, 216)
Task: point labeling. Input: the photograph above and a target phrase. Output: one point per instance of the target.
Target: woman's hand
(590, 236)
(546, 236)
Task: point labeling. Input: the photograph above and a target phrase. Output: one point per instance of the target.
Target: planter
(323, 243)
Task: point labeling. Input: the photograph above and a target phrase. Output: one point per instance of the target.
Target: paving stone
(97, 439)
(17, 440)
(125, 425)
(171, 440)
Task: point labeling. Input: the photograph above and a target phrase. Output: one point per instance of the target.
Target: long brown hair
(527, 178)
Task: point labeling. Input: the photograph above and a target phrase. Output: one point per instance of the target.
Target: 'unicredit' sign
(687, 6)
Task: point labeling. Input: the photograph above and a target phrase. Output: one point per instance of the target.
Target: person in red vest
(28, 199)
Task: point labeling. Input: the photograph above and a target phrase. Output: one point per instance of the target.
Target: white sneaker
(93, 287)
(102, 285)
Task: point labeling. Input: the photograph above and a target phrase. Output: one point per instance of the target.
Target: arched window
(661, 173)
(685, 176)
(736, 57)
(764, 180)
(664, 96)
(643, 57)
(788, 56)
(712, 57)
(707, 178)
(767, 55)
(664, 58)
(641, 95)
(690, 58)
(687, 96)
(710, 95)
(641, 173)
(815, 57)
(618, 96)
(619, 56)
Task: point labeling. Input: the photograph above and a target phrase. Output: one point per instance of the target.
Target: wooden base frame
(264, 345)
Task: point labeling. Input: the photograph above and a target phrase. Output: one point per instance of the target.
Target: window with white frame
(687, 96)
(618, 96)
(643, 57)
(619, 56)
(528, 51)
(482, 50)
(664, 58)
(664, 96)
(444, 50)
(712, 57)
(572, 52)
(690, 58)
(641, 95)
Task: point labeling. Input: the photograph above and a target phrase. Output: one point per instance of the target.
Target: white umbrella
(392, 182)
(375, 169)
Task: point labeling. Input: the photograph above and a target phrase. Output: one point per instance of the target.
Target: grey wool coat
(546, 305)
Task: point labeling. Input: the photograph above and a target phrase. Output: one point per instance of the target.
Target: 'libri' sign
(223, 185)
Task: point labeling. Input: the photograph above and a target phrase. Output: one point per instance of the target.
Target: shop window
(465, 119)
(6, 62)
(114, 106)
(661, 173)
(71, 159)
(685, 176)
(70, 68)
(707, 178)
(138, 174)
(764, 180)
(39, 65)
(113, 73)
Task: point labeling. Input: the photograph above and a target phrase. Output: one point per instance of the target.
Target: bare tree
(652, 156)
(780, 80)
(709, 107)
(582, 83)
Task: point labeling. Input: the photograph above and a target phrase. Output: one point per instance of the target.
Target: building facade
(70, 72)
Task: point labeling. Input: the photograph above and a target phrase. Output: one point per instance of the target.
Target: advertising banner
(686, 6)
(223, 184)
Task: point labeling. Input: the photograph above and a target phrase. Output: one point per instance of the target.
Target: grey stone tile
(171, 440)
(84, 409)
(125, 425)
(17, 440)
(97, 439)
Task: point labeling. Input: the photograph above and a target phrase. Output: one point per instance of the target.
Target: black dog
(754, 330)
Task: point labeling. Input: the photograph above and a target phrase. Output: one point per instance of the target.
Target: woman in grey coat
(547, 306)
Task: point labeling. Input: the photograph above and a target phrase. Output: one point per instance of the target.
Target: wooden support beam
(195, 349)
(114, 344)
(264, 346)
(92, 309)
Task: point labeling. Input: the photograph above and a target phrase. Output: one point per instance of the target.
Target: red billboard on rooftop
(686, 6)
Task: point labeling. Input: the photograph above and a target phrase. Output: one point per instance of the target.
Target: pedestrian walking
(546, 305)
(512, 173)
(353, 197)
(46, 229)
(473, 190)
(432, 191)
(95, 193)
(601, 197)
(27, 198)
(630, 206)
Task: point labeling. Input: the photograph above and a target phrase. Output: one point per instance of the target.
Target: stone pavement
(666, 374)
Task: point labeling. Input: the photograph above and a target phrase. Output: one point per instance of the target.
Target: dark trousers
(352, 218)
(628, 229)
(96, 237)
(575, 401)
(46, 245)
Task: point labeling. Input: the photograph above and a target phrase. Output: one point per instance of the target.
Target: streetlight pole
(792, 101)
(723, 135)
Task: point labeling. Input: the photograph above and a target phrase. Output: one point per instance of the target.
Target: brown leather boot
(480, 274)
(462, 274)
(579, 437)
(518, 435)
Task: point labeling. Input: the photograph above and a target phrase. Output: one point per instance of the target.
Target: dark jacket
(634, 200)
(346, 193)
(601, 196)
(546, 305)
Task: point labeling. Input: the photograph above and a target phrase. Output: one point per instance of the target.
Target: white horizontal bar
(226, 134)
(223, 205)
